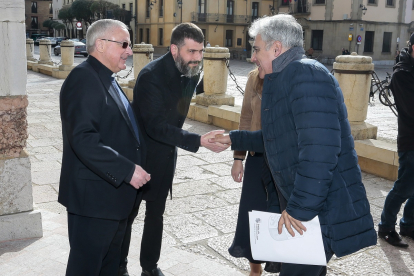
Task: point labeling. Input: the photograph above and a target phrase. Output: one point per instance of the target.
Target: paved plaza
(200, 219)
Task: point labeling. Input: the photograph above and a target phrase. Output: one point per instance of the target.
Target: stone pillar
(143, 54)
(67, 52)
(30, 49)
(215, 78)
(17, 218)
(45, 50)
(353, 73)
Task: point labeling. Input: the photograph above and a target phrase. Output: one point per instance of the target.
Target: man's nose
(253, 58)
(129, 51)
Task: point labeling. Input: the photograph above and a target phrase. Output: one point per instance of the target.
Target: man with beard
(162, 97)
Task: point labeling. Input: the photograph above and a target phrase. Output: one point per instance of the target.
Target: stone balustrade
(30, 49)
(67, 52)
(45, 49)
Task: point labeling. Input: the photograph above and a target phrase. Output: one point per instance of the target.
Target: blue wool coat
(310, 151)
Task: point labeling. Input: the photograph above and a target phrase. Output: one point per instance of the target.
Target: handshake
(215, 141)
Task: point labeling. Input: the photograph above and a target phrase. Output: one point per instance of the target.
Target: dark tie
(127, 107)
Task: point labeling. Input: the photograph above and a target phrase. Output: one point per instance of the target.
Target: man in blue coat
(306, 138)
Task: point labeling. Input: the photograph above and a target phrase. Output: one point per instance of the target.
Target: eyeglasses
(123, 44)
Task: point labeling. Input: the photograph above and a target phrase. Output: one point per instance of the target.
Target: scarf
(294, 53)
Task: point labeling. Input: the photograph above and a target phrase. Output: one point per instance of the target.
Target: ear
(174, 50)
(277, 48)
(99, 45)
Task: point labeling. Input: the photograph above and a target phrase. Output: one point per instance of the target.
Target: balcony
(299, 7)
(217, 18)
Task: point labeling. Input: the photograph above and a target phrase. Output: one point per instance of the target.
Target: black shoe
(123, 271)
(392, 238)
(407, 233)
(155, 272)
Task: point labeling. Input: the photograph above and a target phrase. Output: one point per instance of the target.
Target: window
(255, 10)
(141, 35)
(390, 2)
(285, 2)
(34, 7)
(371, 1)
(369, 42)
(131, 6)
(148, 36)
(202, 10)
(317, 39)
(229, 38)
(147, 8)
(50, 8)
(161, 10)
(386, 42)
(123, 6)
(34, 23)
(319, 1)
(160, 37)
(230, 11)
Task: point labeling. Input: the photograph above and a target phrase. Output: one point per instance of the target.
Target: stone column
(17, 218)
(67, 52)
(143, 54)
(45, 50)
(215, 78)
(30, 49)
(353, 73)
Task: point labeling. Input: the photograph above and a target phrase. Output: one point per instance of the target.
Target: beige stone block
(230, 113)
(131, 83)
(45, 51)
(190, 113)
(225, 124)
(60, 74)
(30, 64)
(378, 168)
(377, 150)
(67, 48)
(129, 92)
(207, 100)
(201, 113)
(21, 226)
(362, 131)
(15, 186)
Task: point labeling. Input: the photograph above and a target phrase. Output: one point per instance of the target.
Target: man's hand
(237, 170)
(222, 139)
(289, 221)
(213, 146)
(139, 178)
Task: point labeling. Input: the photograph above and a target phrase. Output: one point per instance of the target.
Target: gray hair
(98, 29)
(280, 27)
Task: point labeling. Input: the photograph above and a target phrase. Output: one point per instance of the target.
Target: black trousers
(95, 245)
(152, 235)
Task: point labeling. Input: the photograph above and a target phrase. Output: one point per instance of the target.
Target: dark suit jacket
(162, 108)
(100, 149)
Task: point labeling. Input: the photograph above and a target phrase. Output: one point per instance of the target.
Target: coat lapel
(115, 96)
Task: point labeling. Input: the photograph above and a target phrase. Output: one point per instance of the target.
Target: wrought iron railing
(299, 7)
(220, 18)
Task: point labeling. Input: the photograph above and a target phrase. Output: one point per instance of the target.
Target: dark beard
(185, 68)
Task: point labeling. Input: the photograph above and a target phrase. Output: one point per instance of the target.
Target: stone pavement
(200, 219)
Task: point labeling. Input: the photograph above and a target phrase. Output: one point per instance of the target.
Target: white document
(268, 245)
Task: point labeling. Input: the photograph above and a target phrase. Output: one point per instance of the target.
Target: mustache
(194, 62)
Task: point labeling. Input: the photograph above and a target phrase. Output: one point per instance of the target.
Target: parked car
(59, 39)
(80, 49)
(37, 37)
(83, 40)
(53, 40)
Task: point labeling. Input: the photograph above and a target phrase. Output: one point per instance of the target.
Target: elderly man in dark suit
(162, 97)
(103, 151)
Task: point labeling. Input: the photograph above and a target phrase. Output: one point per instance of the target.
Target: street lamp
(363, 8)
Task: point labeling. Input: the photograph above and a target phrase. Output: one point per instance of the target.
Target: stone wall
(13, 131)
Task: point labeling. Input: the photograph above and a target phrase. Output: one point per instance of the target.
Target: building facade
(375, 28)
(36, 12)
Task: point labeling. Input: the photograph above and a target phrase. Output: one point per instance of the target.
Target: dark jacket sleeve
(81, 111)
(315, 110)
(247, 140)
(149, 97)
